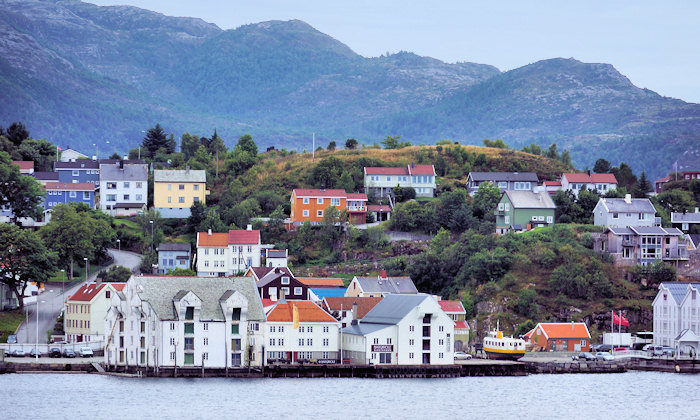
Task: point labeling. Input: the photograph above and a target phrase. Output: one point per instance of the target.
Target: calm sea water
(632, 395)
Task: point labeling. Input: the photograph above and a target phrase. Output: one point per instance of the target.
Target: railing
(357, 208)
(676, 254)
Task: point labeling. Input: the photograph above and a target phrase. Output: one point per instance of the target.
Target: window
(507, 206)
(206, 326)
(319, 213)
(301, 342)
(286, 291)
(139, 185)
(281, 328)
(501, 206)
(441, 328)
(189, 343)
(189, 358)
(280, 341)
(189, 313)
(111, 185)
(376, 341)
(72, 194)
(503, 184)
(195, 187)
(306, 200)
(325, 342)
(170, 199)
(139, 197)
(107, 294)
(309, 341)
(172, 355)
(181, 187)
(325, 329)
(506, 219)
(411, 328)
(285, 280)
(126, 185)
(272, 328)
(615, 215)
(236, 314)
(236, 344)
(126, 197)
(170, 187)
(305, 213)
(189, 328)
(206, 341)
(172, 326)
(411, 342)
(309, 329)
(335, 202)
(297, 291)
(234, 329)
(410, 355)
(319, 201)
(235, 359)
(181, 199)
(549, 219)
(76, 172)
(196, 199)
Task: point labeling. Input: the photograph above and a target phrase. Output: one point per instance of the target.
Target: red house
(559, 336)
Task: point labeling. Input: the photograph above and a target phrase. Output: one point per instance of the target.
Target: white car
(19, 353)
(85, 352)
(460, 355)
(604, 356)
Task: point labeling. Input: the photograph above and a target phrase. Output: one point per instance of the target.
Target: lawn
(9, 321)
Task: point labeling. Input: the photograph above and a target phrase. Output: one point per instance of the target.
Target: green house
(524, 210)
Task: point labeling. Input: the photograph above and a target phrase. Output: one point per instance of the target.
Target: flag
(620, 320)
(295, 317)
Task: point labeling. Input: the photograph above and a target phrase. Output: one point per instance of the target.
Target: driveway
(51, 301)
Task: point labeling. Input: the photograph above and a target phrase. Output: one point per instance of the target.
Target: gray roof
(504, 176)
(678, 289)
(276, 253)
(695, 237)
(387, 285)
(685, 217)
(160, 291)
(655, 230)
(621, 230)
(168, 246)
(45, 176)
(179, 175)
(363, 329)
(392, 309)
(78, 164)
(636, 205)
(125, 173)
(530, 200)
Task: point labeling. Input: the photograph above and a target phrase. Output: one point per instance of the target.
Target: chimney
(121, 164)
(589, 172)
(209, 232)
(187, 169)
(282, 296)
(249, 227)
(572, 325)
(98, 281)
(354, 311)
(628, 198)
(382, 275)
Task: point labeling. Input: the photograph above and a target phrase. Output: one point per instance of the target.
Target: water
(631, 395)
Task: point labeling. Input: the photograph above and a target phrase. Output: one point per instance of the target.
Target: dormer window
(189, 313)
(236, 314)
(285, 280)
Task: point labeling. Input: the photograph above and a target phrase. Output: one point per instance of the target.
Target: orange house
(559, 336)
(311, 204)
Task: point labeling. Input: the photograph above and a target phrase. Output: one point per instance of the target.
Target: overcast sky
(656, 44)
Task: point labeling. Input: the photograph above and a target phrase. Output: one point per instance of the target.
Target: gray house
(642, 245)
(381, 285)
(506, 181)
(622, 212)
(685, 221)
(172, 256)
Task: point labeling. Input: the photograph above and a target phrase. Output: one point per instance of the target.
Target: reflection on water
(583, 396)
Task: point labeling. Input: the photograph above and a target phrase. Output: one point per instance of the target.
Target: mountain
(79, 74)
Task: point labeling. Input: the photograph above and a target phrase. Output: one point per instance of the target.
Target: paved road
(51, 301)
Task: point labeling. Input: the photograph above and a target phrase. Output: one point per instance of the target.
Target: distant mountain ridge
(77, 74)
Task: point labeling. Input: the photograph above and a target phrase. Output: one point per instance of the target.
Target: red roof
(422, 170)
(318, 281)
(452, 306)
(382, 208)
(268, 302)
(461, 325)
(24, 165)
(562, 330)
(584, 178)
(364, 304)
(308, 312)
(577, 178)
(213, 239)
(88, 291)
(357, 196)
(305, 192)
(664, 179)
(402, 170)
(236, 237)
(603, 178)
(68, 186)
(552, 184)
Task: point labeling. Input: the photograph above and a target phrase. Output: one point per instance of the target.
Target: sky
(656, 44)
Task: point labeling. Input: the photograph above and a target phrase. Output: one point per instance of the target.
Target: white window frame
(319, 200)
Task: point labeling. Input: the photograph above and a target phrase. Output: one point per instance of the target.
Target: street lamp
(36, 346)
(86, 268)
(119, 244)
(63, 284)
(151, 222)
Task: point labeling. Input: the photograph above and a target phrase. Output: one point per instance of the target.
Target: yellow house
(86, 310)
(174, 191)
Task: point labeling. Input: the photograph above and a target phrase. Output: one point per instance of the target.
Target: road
(51, 301)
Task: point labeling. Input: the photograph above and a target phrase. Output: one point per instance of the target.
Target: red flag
(620, 320)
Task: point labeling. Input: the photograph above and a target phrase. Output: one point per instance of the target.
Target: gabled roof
(364, 304)
(78, 164)
(530, 200)
(663, 180)
(68, 186)
(401, 170)
(307, 310)
(127, 172)
(46, 176)
(552, 183)
(504, 176)
(213, 239)
(387, 285)
(461, 325)
(169, 246)
(88, 291)
(364, 329)
(393, 308)
(564, 329)
(357, 196)
(603, 178)
(318, 281)
(179, 175)
(452, 307)
(636, 205)
(323, 292)
(677, 289)
(276, 253)
(655, 230)
(584, 178)
(421, 169)
(314, 193)
(677, 217)
(275, 274)
(620, 230)
(240, 237)
(24, 165)
(380, 208)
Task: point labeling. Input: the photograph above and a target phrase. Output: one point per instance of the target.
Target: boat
(496, 346)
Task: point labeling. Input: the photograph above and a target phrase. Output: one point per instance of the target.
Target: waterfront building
(299, 330)
(172, 256)
(185, 322)
(175, 191)
(676, 308)
(623, 212)
(380, 181)
(455, 310)
(401, 330)
(346, 309)
(380, 286)
(506, 181)
(559, 336)
(227, 254)
(524, 210)
(124, 188)
(311, 204)
(86, 309)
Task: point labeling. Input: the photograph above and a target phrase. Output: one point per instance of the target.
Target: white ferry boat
(496, 346)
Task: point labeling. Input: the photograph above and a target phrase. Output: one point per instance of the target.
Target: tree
(498, 144)
(601, 166)
(402, 194)
(181, 272)
(115, 274)
(346, 182)
(155, 141)
(392, 142)
(24, 259)
(189, 145)
(212, 222)
(642, 187)
(331, 146)
(485, 200)
(216, 145)
(246, 144)
(552, 152)
(676, 200)
(533, 149)
(115, 155)
(527, 303)
(351, 144)
(624, 175)
(41, 152)
(17, 133)
(22, 193)
(198, 212)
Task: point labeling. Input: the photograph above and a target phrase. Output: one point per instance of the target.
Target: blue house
(172, 256)
(80, 171)
(64, 192)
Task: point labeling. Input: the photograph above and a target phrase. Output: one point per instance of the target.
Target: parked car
(620, 349)
(19, 353)
(11, 339)
(604, 356)
(68, 353)
(668, 351)
(85, 352)
(584, 356)
(35, 352)
(460, 355)
(656, 350)
(54, 352)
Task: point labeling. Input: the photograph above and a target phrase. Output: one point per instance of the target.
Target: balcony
(357, 208)
(675, 253)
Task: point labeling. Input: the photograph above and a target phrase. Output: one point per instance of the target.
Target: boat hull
(501, 355)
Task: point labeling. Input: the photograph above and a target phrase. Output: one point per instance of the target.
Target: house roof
(387, 285)
(238, 237)
(160, 291)
(552, 183)
(620, 230)
(276, 253)
(305, 192)
(364, 304)
(46, 176)
(380, 208)
(663, 180)
(677, 289)
(179, 175)
(88, 291)
(322, 281)
(530, 200)
(677, 217)
(213, 239)
(132, 172)
(357, 196)
(307, 310)
(393, 308)
(603, 178)
(170, 246)
(504, 176)
(24, 165)
(452, 306)
(461, 325)
(636, 205)
(78, 164)
(400, 170)
(364, 329)
(421, 169)
(584, 178)
(564, 329)
(655, 230)
(273, 275)
(68, 186)
(260, 272)
(323, 292)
